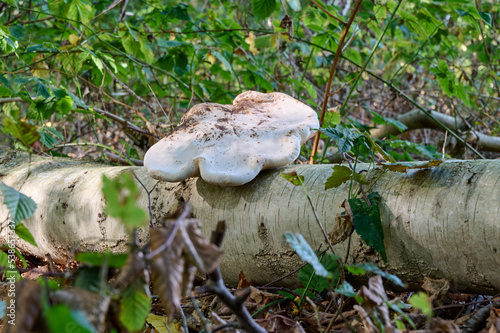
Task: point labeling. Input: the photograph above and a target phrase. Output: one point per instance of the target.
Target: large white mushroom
(231, 144)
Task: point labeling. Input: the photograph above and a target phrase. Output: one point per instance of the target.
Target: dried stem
(330, 78)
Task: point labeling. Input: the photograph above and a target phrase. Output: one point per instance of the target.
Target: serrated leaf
(306, 253)
(262, 9)
(65, 105)
(345, 137)
(41, 89)
(25, 234)
(19, 205)
(340, 175)
(47, 139)
(134, 307)
(293, 178)
(367, 222)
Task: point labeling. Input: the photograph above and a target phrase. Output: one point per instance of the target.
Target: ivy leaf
(262, 9)
(306, 253)
(134, 307)
(340, 175)
(25, 234)
(19, 205)
(367, 222)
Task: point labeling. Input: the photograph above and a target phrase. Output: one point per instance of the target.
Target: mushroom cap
(231, 144)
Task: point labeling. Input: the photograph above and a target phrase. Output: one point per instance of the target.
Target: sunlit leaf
(306, 253)
(263, 8)
(19, 205)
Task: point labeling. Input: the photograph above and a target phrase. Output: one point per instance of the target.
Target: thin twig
(149, 199)
(324, 10)
(127, 88)
(236, 304)
(330, 78)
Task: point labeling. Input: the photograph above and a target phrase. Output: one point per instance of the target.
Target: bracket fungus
(230, 144)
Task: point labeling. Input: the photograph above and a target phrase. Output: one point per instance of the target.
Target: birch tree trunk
(441, 223)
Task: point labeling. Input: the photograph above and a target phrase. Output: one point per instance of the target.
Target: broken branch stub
(231, 144)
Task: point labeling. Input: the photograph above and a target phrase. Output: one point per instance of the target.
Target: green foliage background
(66, 67)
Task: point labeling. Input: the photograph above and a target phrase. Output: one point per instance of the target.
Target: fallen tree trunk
(417, 119)
(441, 222)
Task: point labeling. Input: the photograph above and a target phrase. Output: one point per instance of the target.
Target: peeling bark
(441, 223)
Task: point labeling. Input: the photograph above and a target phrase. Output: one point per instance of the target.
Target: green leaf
(222, 59)
(421, 301)
(380, 12)
(134, 307)
(60, 317)
(65, 105)
(361, 269)
(21, 130)
(121, 196)
(300, 245)
(98, 63)
(41, 89)
(486, 18)
(19, 205)
(25, 234)
(295, 5)
(308, 276)
(346, 139)
(367, 222)
(262, 9)
(293, 178)
(115, 260)
(340, 175)
(346, 289)
(77, 100)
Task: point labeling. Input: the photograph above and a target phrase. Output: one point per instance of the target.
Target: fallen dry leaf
(280, 324)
